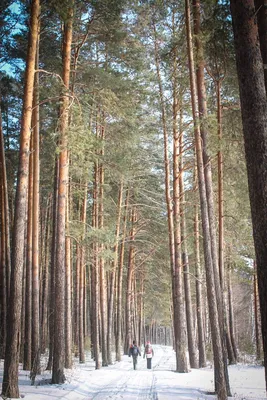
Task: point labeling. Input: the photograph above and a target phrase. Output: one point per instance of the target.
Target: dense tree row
(130, 153)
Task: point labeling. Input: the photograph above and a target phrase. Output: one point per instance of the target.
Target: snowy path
(120, 382)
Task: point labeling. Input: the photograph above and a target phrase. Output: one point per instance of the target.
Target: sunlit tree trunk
(68, 277)
(59, 312)
(212, 301)
(10, 378)
(257, 330)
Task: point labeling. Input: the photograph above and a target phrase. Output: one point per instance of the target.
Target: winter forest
(133, 171)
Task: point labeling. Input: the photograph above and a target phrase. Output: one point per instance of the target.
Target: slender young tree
(10, 378)
(35, 226)
(82, 280)
(5, 241)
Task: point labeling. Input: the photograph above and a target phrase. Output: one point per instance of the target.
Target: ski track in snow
(120, 382)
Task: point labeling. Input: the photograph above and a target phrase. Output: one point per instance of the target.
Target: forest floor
(119, 381)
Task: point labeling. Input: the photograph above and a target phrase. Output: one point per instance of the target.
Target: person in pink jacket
(148, 353)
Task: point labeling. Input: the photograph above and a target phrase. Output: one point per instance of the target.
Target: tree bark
(231, 313)
(103, 283)
(59, 322)
(113, 274)
(5, 242)
(53, 267)
(257, 330)
(212, 301)
(10, 378)
(129, 283)
(202, 358)
(185, 262)
(95, 275)
(82, 280)
(254, 119)
(35, 227)
(120, 277)
(68, 277)
(27, 362)
(230, 350)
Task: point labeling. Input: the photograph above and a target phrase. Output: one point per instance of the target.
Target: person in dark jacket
(148, 353)
(134, 352)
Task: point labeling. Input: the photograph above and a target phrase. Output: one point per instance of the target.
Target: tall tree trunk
(59, 323)
(230, 350)
(212, 301)
(35, 227)
(82, 280)
(202, 358)
(27, 361)
(254, 119)
(103, 283)
(5, 241)
(113, 274)
(202, 106)
(186, 271)
(179, 316)
(166, 152)
(10, 378)
(53, 268)
(129, 283)
(68, 277)
(95, 275)
(166, 170)
(120, 276)
(231, 313)
(46, 250)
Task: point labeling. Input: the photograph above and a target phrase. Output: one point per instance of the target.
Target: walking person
(134, 352)
(148, 353)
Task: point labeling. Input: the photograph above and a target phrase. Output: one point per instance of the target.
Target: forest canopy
(125, 209)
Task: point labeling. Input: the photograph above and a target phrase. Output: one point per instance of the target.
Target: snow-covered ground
(119, 381)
